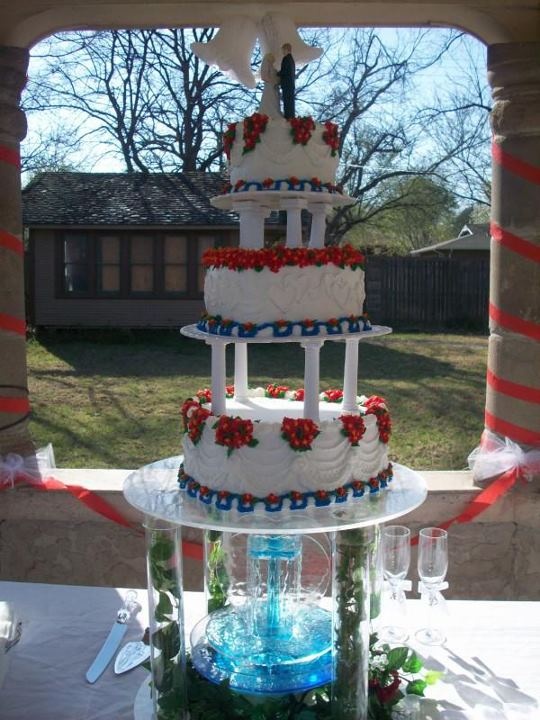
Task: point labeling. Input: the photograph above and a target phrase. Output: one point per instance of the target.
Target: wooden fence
(435, 292)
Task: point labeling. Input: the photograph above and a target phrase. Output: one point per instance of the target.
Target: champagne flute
(432, 568)
(396, 555)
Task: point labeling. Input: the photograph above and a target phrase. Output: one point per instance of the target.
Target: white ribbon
(497, 455)
(397, 589)
(31, 467)
(10, 467)
(432, 592)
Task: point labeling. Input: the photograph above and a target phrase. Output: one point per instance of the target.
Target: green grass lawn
(107, 399)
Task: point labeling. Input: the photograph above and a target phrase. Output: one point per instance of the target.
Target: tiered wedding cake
(274, 448)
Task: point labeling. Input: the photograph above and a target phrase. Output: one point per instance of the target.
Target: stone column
(14, 405)
(513, 379)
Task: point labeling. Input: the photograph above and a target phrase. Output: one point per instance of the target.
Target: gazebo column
(14, 404)
(513, 380)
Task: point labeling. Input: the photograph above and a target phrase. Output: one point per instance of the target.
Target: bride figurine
(270, 97)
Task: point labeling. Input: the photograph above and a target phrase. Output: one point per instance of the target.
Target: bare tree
(141, 95)
(145, 98)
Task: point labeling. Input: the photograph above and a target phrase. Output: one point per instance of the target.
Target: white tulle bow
(10, 467)
(497, 455)
(30, 468)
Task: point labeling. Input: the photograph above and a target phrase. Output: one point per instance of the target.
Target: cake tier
(274, 151)
(283, 291)
(263, 451)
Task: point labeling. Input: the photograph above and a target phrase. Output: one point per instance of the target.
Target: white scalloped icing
(276, 156)
(292, 293)
(273, 466)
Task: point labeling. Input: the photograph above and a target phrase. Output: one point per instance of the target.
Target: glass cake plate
(154, 490)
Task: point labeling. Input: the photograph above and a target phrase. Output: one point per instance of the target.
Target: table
(64, 627)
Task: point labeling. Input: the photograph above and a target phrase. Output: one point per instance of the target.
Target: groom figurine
(286, 81)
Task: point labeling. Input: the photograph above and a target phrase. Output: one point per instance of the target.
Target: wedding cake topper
(232, 47)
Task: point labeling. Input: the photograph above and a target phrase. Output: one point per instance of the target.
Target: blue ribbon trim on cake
(215, 325)
(224, 500)
(283, 184)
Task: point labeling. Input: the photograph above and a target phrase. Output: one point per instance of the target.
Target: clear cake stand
(351, 532)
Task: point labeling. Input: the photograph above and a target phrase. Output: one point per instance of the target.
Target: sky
(430, 84)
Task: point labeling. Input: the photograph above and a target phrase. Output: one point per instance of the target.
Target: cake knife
(114, 638)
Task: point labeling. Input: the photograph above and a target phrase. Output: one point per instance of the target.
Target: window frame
(192, 238)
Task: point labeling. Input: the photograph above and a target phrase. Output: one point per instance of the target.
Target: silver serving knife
(110, 646)
(131, 655)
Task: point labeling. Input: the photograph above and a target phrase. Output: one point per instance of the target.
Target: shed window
(76, 264)
(108, 264)
(142, 261)
(175, 263)
(127, 264)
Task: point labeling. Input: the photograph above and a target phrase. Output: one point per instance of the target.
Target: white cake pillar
(312, 349)
(240, 371)
(252, 216)
(218, 370)
(294, 207)
(350, 375)
(318, 224)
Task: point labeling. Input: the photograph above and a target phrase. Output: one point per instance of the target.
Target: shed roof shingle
(83, 199)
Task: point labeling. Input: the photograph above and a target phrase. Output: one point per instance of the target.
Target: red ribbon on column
(95, 503)
(484, 500)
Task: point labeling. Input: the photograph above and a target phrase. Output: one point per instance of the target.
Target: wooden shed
(472, 242)
(121, 250)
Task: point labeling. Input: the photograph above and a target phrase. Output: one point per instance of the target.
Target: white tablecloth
(64, 627)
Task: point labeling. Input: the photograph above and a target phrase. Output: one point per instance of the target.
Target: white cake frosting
(276, 156)
(269, 465)
(293, 293)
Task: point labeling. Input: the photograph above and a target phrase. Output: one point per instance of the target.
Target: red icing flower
(187, 408)
(301, 129)
(196, 424)
(331, 136)
(204, 395)
(277, 257)
(229, 391)
(334, 396)
(299, 394)
(272, 499)
(247, 499)
(353, 427)
(376, 405)
(299, 432)
(276, 391)
(234, 433)
(254, 126)
(267, 182)
(228, 139)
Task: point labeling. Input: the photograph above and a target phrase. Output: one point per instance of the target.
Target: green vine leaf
(397, 657)
(164, 608)
(433, 676)
(416, 687)
(413, 664)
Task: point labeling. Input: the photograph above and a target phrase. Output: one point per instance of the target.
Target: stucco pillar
(513, 380)
(14, 405)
